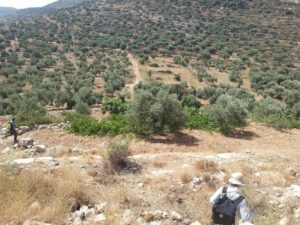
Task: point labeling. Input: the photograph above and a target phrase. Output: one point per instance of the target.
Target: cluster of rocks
(87, 214)
(52, 126)
(160, 217)
(24, 129)
(282, 198)
(28, 145)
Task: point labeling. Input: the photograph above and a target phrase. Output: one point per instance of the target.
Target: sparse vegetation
(228, 113)
(50, 193)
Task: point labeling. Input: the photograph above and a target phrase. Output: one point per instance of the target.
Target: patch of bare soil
(136, 71)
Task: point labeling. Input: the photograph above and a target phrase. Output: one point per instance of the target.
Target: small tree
(268, 107)
(113, 105)
(228, 113)
(82, 108)
(154, 114)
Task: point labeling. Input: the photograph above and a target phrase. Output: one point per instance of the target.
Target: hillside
(6, 11)
(254, 45)
(134, 112)
(36, 11)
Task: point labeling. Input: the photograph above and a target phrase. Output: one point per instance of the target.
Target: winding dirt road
(137, 73)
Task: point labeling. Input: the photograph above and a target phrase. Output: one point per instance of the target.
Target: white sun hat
(236, 179)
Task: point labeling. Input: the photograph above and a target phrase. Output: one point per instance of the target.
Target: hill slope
(60, 4)
(249, 44)
(6, 11)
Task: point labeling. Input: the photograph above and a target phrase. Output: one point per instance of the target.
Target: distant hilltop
(4, 11)
(12, 13)
(292, 1)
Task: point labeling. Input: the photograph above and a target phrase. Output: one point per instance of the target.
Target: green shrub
(228, 113)
(155, 114)
(199, 119)
(113, 105)
(268, 107)
(154, 65)
(235, 76)
(32, 118)
(275, 114)
(86, 125)
(281, 121)
(117, 155)
(177, 77)
(82, 108)
(115, 124)
(296, 110)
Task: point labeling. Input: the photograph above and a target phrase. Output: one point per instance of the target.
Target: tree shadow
(243, 134)
(177, 138)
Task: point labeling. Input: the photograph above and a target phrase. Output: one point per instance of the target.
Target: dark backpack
(223, 211)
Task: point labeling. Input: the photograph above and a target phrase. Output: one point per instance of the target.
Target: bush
(268, 107)
(30, 113)
(117, 155)
(190, 101)
(86, 125)
(199, 119)
(113, 105)
(275, 114)
(228, 113)
(155, 114)
(82, 108)
(32, 118)
(177, 77)
(296, 110)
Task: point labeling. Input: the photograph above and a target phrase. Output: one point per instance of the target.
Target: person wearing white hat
(230, 196)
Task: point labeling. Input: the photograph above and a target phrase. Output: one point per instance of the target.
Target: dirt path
(136, 72)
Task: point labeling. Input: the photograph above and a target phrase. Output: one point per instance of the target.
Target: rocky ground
(174, 176)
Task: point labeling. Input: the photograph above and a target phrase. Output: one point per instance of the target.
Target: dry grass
(205, 166)
(257, 201)
(199, 205)
(159, 164)
(49, 192)
(186, 177)
(116, 197)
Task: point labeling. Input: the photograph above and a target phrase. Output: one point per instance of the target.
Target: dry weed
(51, 190)
(159, 164)
(186, 177)
(206, 166)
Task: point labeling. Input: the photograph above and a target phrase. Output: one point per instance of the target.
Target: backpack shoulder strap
(238, 200)
(224, 191)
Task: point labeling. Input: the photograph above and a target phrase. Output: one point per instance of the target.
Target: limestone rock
(23, 130)
(58, 150)
(35, 207)
(196, 181)
(100, 218)
(128, 217)
(162, 173)
(284, 221)
(196, 223)
(297, 213)
(176, 216)
(7, 150)
(293, 192)
(44, 160)
(32, 222)
(25, 142)
(159, 215)
(155, 223)
(40, 148)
